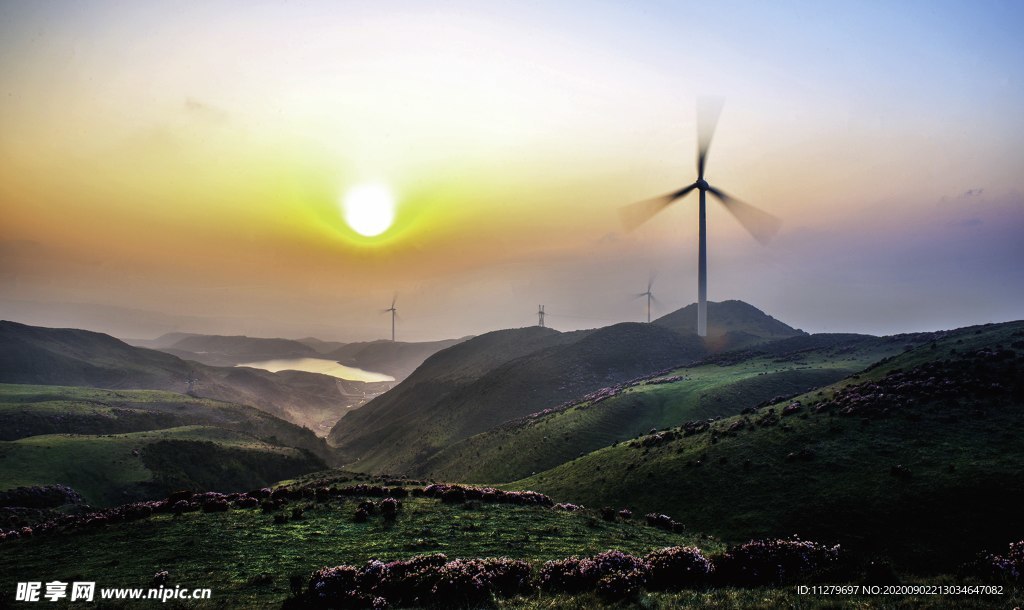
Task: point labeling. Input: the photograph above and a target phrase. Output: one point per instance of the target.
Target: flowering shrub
(660, 521)
(619, 586)
(568, 507)
(389, 508)
(774, 562)
(564, 575)
(453, 493)
(677, 568)
(1008, 567)
(573, 575)
(430, 579)
(471, 582)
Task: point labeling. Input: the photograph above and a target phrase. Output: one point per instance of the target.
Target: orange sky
(188, 164)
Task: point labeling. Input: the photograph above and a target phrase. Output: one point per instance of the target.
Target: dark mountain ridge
(71, 357)
(483, 382)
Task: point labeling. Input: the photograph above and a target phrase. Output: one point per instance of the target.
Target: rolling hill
(729, 317)
(220, 350)
(486, 381)
(719, 386)
(119, 445)
(916, 458)
(396, 358)
(49, 356)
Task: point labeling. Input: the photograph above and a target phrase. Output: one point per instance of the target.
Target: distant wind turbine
(394, 312)
(761, 225)
(650, 297)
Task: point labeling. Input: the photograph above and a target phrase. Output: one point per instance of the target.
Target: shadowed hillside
(497, 377)
(718, 386)
(728, 317)
(395, 358)
(115, 445)
(893, 460)
(51, 356)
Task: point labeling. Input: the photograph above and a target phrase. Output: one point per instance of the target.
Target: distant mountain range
(70, 357)
(485, 381)
(395, 358)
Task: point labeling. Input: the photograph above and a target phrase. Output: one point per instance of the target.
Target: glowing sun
(369, 209)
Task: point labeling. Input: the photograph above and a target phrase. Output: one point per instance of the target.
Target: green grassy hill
(724, 386)
(247, 558)
(497, 377)
(918, 458)
(70, 357)
(115, 445)
(440, 404)
(109, 469)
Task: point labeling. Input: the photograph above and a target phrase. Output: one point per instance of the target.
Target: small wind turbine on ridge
(762, 225)
(650, 297)
(394, 312)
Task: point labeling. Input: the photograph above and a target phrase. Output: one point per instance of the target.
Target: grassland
(114, 446)
(248, 559)
(722, 387)
(928, 481)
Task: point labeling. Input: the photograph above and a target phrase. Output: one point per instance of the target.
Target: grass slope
(111, 469)
(115, 445)
(70, 357)
(247, 558)
(923, 479)
(426, 415)
(724, 386)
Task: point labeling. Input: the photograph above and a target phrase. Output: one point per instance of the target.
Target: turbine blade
(393, 299)
(636, 214)
(708, 111)
(762, 225)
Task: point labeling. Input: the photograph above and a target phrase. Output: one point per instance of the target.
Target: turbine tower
(540, 316)
(761, 225)
(393, 311)
(650, 297)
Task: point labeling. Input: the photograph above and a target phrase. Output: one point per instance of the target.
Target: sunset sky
(179, 166)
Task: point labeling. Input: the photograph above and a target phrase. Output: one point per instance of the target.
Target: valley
(641, 438)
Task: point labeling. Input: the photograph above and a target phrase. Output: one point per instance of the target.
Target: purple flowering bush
(575, 575)
(1005, 568)
(676, 568)
(775, 562)
(424, 580)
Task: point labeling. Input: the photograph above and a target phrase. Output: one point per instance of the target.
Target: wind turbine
(761, 225)
(650, 297)
(394, 312)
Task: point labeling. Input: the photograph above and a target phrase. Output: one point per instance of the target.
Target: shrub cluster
(457, 494)
(664, 522)
(424, 580)
(775, 562)
(988, 374)
(1008, 568)
(40, 496)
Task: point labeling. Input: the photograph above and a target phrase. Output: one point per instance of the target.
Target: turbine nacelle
(702, 184)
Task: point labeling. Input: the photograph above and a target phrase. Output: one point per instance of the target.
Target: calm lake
(319, 365)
